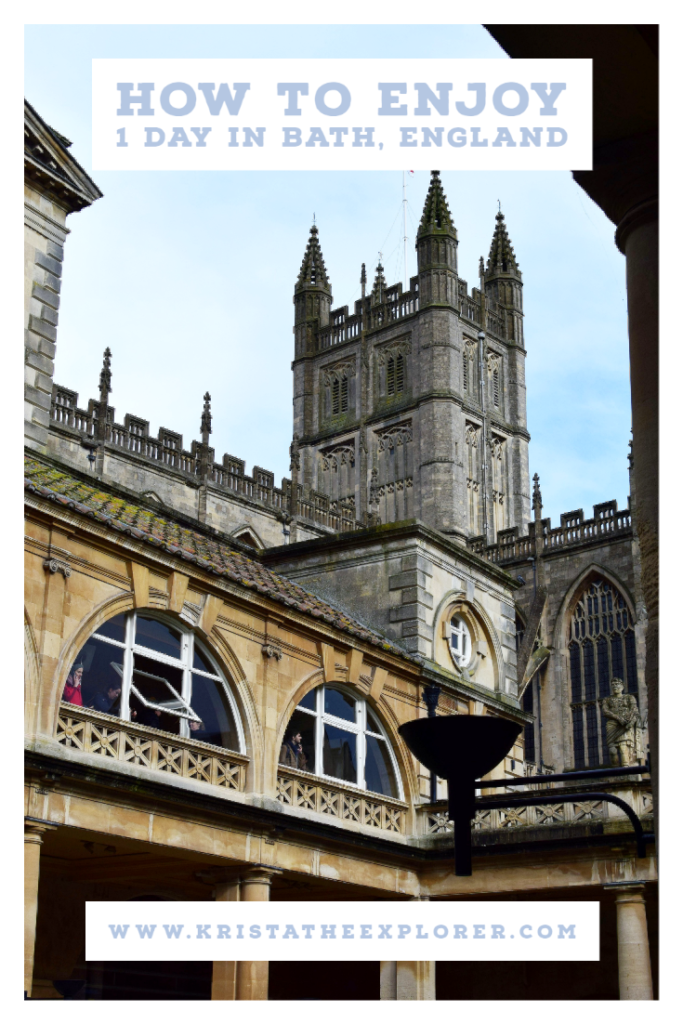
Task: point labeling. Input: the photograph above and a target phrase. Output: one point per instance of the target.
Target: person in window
(199, 732)
(73, 693)
(107, 701)
(292, 753)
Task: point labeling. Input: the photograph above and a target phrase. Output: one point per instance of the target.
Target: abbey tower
(414, 405)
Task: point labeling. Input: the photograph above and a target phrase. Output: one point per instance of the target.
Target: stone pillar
(252, 975)
(33, 839)
(224, 977)
(638, 238)
(387, 979)
(408, 979)
(635, 973)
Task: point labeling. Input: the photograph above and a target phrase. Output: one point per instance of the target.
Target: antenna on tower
(405, 236)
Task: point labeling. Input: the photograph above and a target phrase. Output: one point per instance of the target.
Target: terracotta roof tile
(211, 554)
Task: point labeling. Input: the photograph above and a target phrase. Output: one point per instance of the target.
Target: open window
(142, 668)
(334, 734)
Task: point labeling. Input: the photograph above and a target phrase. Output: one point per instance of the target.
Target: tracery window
(602, 646)
(334, 734)
(142, 668)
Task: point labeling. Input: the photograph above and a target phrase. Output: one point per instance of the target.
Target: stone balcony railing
(578, 811)
(299, 790)
(90, 732)
(607, 522)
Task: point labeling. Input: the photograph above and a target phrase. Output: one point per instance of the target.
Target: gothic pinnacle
(105, 377)
(205, 426)
(436, 215)
(380, 285)
(537, 501)
(502, 257)
(313, 271)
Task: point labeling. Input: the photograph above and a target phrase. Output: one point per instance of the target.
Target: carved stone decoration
(271, 651)
(343, 370)
(471, 436)
(493, 361)
(394, 436)
(496, 445)
(54, 565)
(393, 348)
(623, 725)
(339, 455)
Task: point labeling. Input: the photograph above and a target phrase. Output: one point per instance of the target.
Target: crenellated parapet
(196, 466)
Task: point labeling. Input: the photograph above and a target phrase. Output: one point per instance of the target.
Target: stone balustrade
(299, 790)
(90, 732)
(608, 521)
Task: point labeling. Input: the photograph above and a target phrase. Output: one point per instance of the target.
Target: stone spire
(313, 271)
(312, 297)
(363, 280)
(436, 215)
(437, 250)
(205, 426)
(537, 501)
(502, 259)
(380, 285)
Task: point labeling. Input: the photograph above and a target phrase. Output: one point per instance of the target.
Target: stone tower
(414, 405)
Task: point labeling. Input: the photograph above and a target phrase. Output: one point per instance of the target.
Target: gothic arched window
(602, 646)
(340, 738)
(143, 668)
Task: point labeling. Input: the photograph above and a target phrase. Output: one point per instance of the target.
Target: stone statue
(623, 725)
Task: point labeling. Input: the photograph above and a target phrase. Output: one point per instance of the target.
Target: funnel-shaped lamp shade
(460, 745)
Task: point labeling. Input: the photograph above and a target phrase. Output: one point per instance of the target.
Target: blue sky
(188, 277)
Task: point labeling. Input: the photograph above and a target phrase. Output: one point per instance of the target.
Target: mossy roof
(213, 554)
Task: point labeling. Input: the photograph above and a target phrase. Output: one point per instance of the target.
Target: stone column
(408, 979)
(252, 975)
(638, 238)
(33, 839)
(224, 977)
(635, 973)
(387, 979)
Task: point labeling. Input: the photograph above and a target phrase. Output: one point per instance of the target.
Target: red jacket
(72, 695)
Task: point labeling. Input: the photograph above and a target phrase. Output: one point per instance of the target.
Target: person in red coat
(72, 688)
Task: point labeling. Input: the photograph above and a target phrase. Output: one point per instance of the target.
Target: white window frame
(178, 704)
(359, 727)
(460, 660)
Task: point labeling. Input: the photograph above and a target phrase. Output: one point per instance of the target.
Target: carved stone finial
(105, 377)
(537, 502)
(205, 426)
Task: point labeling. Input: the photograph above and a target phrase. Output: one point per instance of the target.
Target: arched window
(460, 641)
(142, 668)
(602, 646)
(334, 734)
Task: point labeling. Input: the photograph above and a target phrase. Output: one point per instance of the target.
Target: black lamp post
(460, 748)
